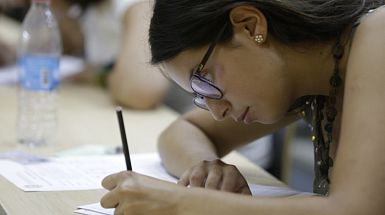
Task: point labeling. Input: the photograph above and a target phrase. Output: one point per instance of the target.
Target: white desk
(87, 116)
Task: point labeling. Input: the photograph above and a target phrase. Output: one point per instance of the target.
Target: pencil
(124, 138)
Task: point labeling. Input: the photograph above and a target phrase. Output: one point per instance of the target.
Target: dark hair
(178, 25)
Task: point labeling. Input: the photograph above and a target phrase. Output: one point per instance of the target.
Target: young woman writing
(266, 64)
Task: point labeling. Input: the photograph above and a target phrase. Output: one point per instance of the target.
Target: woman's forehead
(180, 68)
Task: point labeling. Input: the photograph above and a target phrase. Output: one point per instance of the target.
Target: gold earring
(259, 38)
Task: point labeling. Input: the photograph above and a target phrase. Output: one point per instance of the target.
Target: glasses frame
(197, 74)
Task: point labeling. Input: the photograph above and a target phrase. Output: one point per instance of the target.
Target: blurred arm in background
(111, 37)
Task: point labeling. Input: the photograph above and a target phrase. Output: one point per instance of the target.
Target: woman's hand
(215, 175)
(132, 193)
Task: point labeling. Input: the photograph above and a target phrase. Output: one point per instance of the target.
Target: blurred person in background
(111, 37)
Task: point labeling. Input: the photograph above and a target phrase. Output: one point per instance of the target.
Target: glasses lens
(205, 89)
(200, 102)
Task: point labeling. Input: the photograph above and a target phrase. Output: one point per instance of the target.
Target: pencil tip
(118, 108)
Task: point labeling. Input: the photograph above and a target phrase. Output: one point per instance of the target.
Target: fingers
(110, 181)
(197, 178)
(214, 179)
(184, 180)
(215, 175)
(138, 194)
(119, 185)
(109, 200)
(205, 174)
(119, 210)
(194, 176)
(234, 181)
(229, 180)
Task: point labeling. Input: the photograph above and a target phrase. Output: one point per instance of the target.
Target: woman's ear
(249, 20)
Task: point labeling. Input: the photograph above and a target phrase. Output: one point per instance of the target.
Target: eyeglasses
(200, 85)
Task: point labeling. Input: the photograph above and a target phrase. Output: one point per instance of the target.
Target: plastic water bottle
(38, 65)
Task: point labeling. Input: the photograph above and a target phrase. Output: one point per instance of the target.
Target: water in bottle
(38, 64)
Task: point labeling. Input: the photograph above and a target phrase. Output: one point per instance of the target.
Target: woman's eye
(207, 76)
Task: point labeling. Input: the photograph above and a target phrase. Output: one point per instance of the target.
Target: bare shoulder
(376, 18)
(364, 103)
(368, 46)
(361, 144)
(372, 27)
(365, 77)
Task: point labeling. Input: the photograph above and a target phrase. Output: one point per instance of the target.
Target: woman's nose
(218, 108)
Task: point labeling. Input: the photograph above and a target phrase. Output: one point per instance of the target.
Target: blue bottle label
(39, 73)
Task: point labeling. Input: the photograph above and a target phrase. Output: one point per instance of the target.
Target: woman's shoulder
(366, 64)
(369, 35)
(373, 21)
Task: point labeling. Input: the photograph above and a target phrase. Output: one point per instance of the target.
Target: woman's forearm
(133, 82)
(182, 145)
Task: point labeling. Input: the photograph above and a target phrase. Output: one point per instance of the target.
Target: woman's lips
(242, 117)
(246, 118)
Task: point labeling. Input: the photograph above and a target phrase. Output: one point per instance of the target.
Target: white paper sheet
(78, 172)
(87, 172)
(94, 209)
